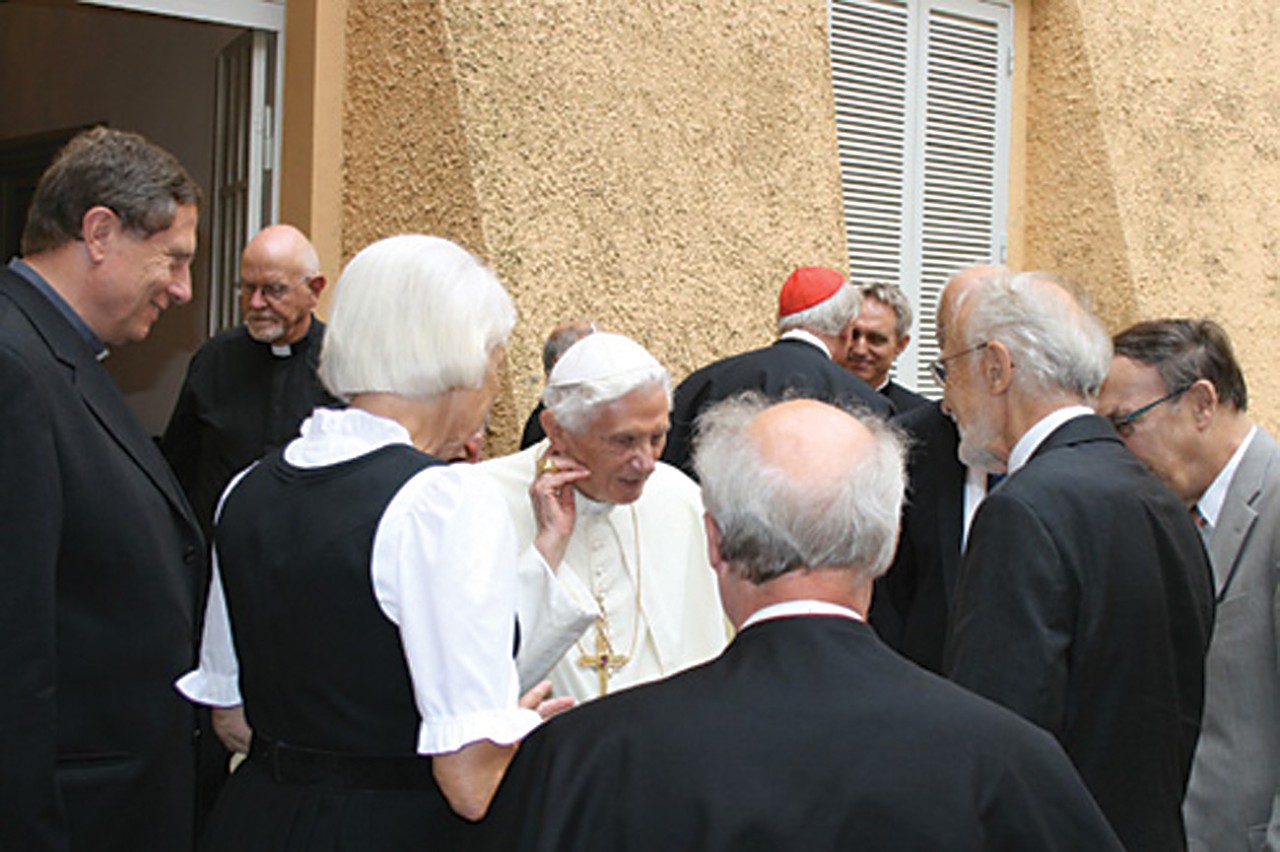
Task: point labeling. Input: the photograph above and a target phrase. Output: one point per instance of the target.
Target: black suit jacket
(533, 432)
(913, 599)
(806, 734)
(903, 399)
(787, 366)
(102, 555)
(1085, 604)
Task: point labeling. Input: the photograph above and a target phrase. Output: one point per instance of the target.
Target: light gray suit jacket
(1234, 795)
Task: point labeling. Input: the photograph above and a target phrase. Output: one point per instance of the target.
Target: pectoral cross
(604, 661)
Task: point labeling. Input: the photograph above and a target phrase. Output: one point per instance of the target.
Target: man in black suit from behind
(817, 308)
(806, 733)
(102, 551)
(1085, 599)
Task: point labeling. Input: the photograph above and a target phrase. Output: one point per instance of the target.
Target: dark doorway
(22, 161)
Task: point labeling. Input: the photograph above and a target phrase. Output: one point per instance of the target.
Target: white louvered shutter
(922, 118)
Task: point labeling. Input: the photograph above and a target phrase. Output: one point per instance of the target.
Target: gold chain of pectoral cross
(605, 661)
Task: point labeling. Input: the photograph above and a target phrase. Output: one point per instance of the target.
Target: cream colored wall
(1153, 164)
(659, 168)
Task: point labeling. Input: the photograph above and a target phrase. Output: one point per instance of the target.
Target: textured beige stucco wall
(1153, 164)
(658, 168)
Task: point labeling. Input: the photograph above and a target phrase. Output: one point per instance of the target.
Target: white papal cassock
(653, 551)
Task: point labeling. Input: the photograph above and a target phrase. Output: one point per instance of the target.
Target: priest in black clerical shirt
(248, 388)
(807, 733)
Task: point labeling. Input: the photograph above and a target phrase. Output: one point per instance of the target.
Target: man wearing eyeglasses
(246, 391)
(248, 388)
(1177, 396)
(1085, 600)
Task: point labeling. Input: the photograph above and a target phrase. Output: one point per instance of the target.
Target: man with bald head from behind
(807, 732)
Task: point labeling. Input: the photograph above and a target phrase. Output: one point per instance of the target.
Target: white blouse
(443, 570)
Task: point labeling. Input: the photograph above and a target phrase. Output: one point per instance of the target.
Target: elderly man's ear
(997, 367)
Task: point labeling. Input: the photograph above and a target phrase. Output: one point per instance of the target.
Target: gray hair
(597, 370)
(413, 315)
(576, 406)
(891, 295)
(1055, 342)
(829, 317)
(771, 524)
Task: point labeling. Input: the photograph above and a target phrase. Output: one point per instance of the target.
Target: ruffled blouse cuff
(214, 690)
(503, 727)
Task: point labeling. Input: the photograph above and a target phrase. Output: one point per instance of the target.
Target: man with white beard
(1085, 601)
(248, 389)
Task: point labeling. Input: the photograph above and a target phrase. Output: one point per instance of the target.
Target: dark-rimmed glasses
(1124, 423)
(938, 366)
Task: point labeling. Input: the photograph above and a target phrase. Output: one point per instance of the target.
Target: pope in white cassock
(632, 581)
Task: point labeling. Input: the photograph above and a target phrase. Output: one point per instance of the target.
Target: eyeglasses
(938, 366)
(1124, 423)
(270, 292)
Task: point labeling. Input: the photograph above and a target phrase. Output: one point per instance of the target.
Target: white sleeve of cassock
(554, 609)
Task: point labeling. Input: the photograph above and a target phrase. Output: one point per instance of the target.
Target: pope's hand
(553, 509)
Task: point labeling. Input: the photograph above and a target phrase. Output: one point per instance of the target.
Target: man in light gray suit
(1178, 398)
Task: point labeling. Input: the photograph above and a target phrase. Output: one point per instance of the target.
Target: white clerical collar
(281, 350)
(588, 506)
(791, 609)
(807, 336)
(1210, 503)
(1034, 437)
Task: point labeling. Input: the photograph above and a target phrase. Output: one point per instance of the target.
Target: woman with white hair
(363, 601)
